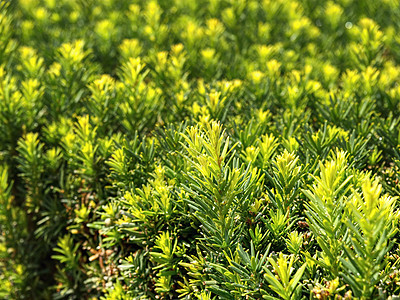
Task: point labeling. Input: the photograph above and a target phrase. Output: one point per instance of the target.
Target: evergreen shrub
(199, 149)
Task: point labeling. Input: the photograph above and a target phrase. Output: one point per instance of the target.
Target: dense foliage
(199, 149)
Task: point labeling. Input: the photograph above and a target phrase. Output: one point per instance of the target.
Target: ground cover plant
(199, 149)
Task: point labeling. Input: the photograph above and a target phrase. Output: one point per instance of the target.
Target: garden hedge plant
(199, 149)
